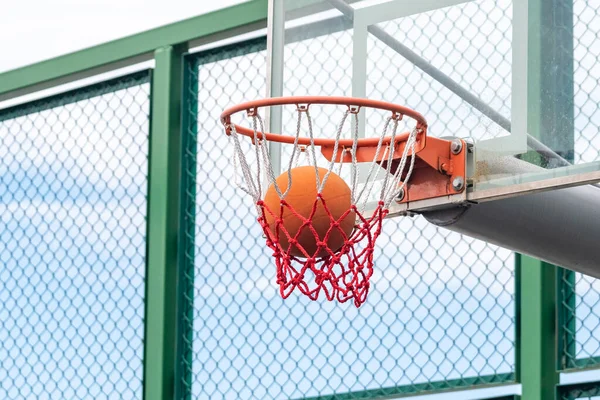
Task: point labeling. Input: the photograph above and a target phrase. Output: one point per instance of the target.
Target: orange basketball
(301, 198)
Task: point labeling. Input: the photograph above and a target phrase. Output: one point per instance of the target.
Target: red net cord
(341, 274)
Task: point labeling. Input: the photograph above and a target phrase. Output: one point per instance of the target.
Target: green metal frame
(537, 281)
(537, 372)
(554, 47)
(553, 96)
(546, 293)
(164, 201)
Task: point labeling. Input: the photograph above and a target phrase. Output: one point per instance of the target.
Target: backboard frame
(518, 140)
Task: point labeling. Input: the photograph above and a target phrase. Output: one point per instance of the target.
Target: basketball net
(343, 274)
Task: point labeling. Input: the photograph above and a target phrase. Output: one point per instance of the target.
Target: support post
(537, 337)
(558, 132)
(164, 200)
(550, 119)
(275, 72)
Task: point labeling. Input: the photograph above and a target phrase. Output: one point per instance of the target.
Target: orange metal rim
(303, 102)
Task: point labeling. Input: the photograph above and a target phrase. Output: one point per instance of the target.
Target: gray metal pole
(561, 227)
(275, 53)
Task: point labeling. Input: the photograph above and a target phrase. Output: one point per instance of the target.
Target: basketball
(301, 198)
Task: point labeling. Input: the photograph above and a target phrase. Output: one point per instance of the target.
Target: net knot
(320, 277)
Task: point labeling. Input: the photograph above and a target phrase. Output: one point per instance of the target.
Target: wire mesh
(73, 173)
(440, 314)
(580, 308)
(584, 391)
(580, 325)
(470, 43)
(482, 64)
(586, 72)
(73, 180)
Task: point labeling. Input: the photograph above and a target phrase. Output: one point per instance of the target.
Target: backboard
(517, 79)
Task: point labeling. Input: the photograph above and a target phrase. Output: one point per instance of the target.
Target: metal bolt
(456, 146)
(400, 196)
(458, 183)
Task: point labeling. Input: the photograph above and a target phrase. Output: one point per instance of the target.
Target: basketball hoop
(343, 272)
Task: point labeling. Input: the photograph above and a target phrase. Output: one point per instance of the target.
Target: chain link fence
(580, 325)
(586, 51)
(582, 391)
(580, 322)
(440, 314)
(481, 64)
(441, 311)
(73, 173)
(471, 43)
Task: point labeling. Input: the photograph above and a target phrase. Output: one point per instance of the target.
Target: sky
(36, 30)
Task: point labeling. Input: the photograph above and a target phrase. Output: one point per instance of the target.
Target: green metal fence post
(537, 368)
(164, 201)
(188, 228)
(557, 131)
(550, 118)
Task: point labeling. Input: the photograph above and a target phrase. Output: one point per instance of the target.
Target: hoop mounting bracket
(437, 172)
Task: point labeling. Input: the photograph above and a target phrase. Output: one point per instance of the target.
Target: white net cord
(394, 180)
